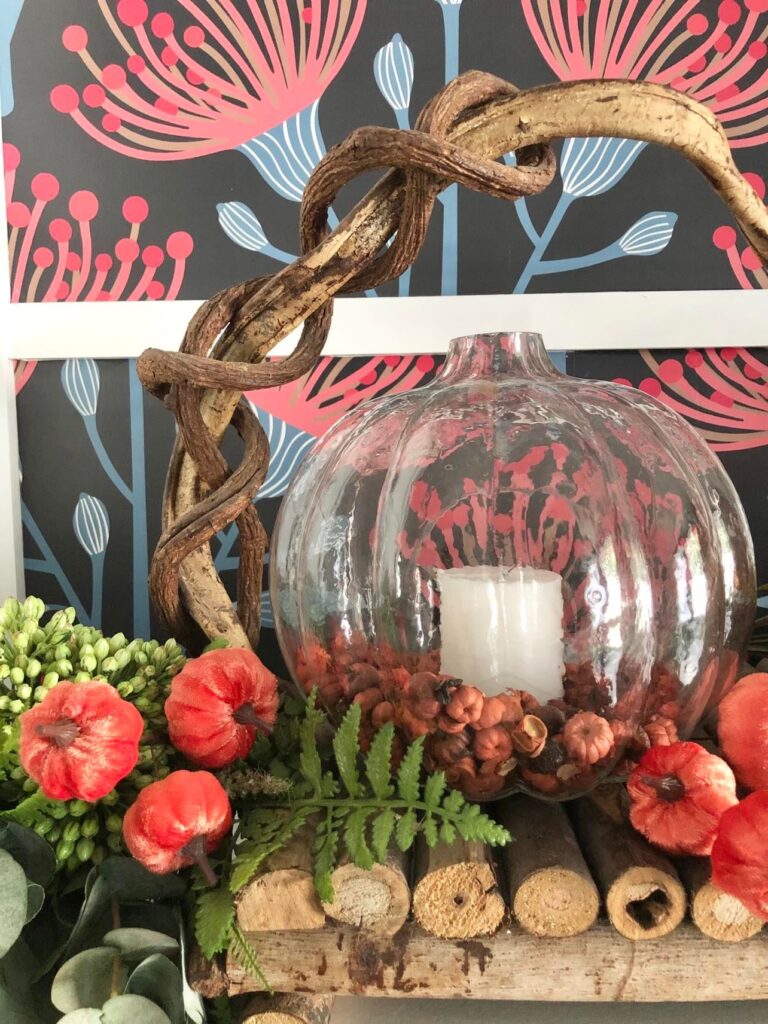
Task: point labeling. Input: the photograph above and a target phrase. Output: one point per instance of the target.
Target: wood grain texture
(283, 896)
(598, 966)
(456, 891)
(459, 137)
(287, 1009)
(377, 901)
(548, 885)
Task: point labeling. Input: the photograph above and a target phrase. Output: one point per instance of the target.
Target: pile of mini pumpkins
(689, 800)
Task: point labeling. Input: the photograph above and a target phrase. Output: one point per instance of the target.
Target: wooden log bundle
(545, 888)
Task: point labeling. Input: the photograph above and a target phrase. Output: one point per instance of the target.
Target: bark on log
(549, 888)
(715, 913)
(207, 977)
(283, 897)
(594, 967)
(643, 895)
(377, 901)
(456, 892)
(288, 1009)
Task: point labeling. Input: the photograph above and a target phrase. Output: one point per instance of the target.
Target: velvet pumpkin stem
(63, 733)
(668, 787)
(246, 715)
(196, 850)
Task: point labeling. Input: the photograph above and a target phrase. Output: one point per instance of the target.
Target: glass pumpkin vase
(537, 574)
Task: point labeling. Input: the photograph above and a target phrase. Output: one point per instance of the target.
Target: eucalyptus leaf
(138, 943)
(88, 979)
(94, 918)
(30, 850)
(17, 1008)
(86, 1016)
(13, 901)
(158, 979)
(129, 1009)
(35, 900)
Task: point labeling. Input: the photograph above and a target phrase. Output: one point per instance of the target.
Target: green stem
(116, 963)
(251, 961)
(354, 803)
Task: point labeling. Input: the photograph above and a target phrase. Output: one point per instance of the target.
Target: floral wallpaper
(158, 150)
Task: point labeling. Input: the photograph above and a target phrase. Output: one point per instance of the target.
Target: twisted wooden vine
(459, 137)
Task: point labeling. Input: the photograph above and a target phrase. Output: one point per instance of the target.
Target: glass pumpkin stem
(668, 787)
(196, 850)
(246, 715)
(63, 733)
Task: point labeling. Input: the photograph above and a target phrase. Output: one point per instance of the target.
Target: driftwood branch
(459, 137)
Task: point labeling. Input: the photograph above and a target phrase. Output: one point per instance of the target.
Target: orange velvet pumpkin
(679, 793)
(743, 730)
(740, 853)
(218, 702)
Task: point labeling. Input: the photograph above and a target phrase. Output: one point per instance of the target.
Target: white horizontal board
(378, 326)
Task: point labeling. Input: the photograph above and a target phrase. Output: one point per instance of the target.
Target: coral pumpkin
(80, 740)
(740, 853)
(218, 702)
(679, 793)
(743, 730)
(177, 822)
(588, 738)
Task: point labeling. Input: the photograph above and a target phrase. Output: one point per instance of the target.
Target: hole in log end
(651, 910)
(646, 902)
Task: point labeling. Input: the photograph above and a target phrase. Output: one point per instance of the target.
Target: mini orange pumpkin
(679, 793)
(465, 705)
(587, 738)
(494, 744)
(742, 729)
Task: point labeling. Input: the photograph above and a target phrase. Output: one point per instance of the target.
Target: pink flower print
(52, 257)
(722, 392)
(208, 77)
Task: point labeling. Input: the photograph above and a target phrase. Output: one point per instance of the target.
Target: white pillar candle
(502, 628)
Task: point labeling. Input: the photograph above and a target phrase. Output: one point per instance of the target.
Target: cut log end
(556, 903)
(549, 887)
(645, 903)
(723, 917)
(288, 1009)
(376, 901)
(283, 900)
(459, 901)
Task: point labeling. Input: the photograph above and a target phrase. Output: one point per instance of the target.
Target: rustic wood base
(598, 966)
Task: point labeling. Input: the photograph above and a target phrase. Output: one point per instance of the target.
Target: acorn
(549, 760)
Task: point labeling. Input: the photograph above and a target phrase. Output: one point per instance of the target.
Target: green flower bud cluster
(83, 833)
(34, 657)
